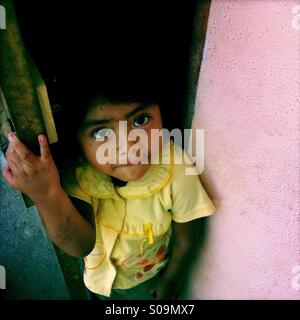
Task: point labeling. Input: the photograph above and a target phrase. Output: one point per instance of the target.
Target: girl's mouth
(130, 164)
(126, 165)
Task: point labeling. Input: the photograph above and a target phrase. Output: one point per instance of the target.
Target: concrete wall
(26, 253)
(248, 103)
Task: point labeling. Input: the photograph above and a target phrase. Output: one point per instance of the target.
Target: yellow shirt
(134, 222)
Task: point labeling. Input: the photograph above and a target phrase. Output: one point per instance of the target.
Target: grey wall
(32, 268)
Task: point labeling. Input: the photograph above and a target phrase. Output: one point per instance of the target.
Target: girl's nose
(121, 131)
(123, 145)
(123, 150)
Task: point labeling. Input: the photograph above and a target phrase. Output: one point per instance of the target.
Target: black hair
(78, 92)
(133, 51)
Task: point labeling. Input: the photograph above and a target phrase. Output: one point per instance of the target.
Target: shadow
(201, 232)
(211, 189)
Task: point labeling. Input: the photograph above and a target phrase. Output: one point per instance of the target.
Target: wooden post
(16, 82)
(25, 108)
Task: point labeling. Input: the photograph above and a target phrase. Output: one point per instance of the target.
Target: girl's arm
(181, 255)
(65, 224)
(38, 177)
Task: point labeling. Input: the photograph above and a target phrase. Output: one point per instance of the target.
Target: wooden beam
(16, 82)
(44, 103)
(25, 106)
(5, 122)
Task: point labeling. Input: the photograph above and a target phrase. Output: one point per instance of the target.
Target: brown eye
(141, 121)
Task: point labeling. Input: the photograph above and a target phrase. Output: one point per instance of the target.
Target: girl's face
(107, 116)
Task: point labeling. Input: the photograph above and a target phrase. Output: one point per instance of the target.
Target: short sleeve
(70, 185)
(189, 199)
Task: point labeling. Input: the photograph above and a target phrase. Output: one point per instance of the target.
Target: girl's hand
(35, 176)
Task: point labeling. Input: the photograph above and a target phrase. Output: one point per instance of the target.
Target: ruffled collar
(99, 185)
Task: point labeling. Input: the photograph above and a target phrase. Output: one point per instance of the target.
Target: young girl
(134, 224)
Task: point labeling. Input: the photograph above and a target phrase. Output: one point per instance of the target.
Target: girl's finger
(23, 152)
(8, 175)
(13, 160)
(14, 168)
(44, 147)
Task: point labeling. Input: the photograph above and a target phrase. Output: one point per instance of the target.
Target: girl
(134, 224)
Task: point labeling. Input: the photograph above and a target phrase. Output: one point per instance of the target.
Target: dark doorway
(114, 43)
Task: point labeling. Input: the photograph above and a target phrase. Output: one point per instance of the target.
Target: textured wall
(248, 103)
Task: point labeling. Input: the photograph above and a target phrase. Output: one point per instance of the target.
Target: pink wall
(248, 104)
